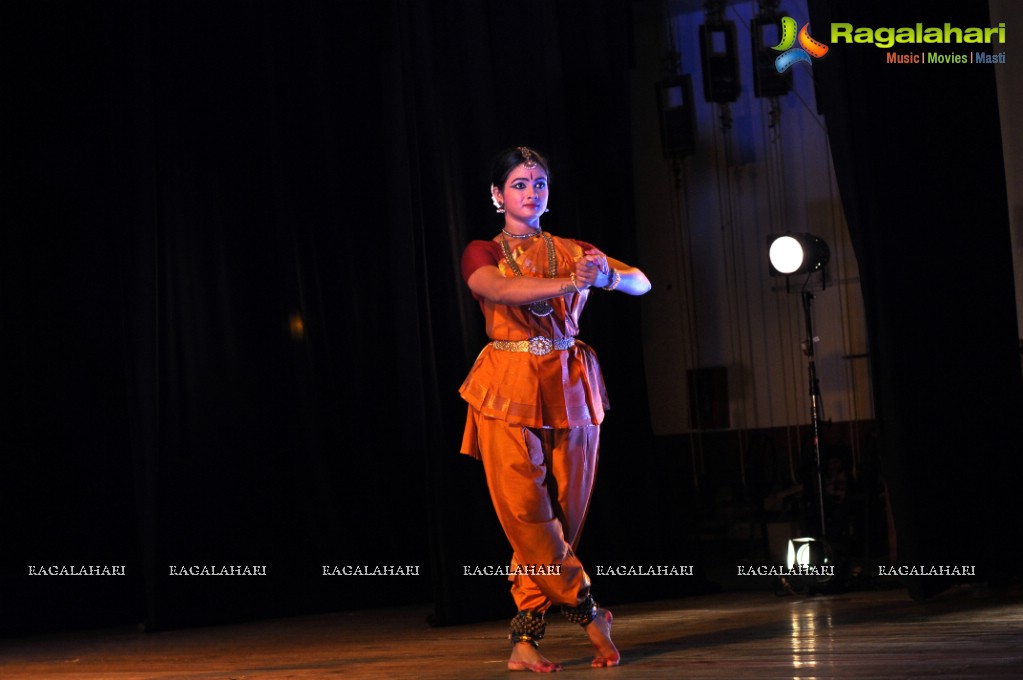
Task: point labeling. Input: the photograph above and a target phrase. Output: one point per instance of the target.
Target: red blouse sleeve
(479, 254)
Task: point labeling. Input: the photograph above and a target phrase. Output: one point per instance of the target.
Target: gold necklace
(540, 307)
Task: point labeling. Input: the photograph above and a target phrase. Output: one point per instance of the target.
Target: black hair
(510, 158)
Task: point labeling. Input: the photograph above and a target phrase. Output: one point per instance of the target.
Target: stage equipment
(812, 556)
(796, 254)
(677, 116)
(719, 56)
(765, 34)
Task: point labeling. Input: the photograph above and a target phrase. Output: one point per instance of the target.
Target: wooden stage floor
(878, 634)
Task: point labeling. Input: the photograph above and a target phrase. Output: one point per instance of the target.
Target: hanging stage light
(677, 115)
(797, 254)
(719, 56)
(765, 33)
(720, 62)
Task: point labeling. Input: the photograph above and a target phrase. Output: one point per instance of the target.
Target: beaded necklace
(520, 236)
(540, 307)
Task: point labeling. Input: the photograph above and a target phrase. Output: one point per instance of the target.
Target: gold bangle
(616, 278)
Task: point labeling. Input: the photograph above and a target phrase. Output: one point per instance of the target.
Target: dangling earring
(546, 210)
(500, 209)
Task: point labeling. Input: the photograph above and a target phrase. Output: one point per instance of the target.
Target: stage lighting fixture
(796, 254)
(812, 564)
(765, 31)
(719, 61)
(805, 552)
(677, 115)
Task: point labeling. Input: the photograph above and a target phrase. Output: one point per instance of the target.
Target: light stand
(796, 254)
(815, 405)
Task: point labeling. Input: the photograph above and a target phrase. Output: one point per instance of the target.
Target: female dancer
(536, 400)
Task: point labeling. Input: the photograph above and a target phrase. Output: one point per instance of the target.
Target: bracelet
(576, 285)
(616, 278)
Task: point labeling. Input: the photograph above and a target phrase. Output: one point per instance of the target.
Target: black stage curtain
(917, 152)
(233, 320)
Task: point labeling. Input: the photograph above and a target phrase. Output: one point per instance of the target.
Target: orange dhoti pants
(540, 482)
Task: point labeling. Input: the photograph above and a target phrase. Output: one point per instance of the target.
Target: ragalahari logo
(808, 47)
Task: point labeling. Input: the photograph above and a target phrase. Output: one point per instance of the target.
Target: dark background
(186, 179)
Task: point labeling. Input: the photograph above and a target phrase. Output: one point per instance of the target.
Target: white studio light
(797, 253)
(786, 254)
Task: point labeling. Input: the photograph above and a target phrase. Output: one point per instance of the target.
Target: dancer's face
(525, 194)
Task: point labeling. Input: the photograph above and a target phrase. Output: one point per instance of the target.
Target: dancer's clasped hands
(592, 269)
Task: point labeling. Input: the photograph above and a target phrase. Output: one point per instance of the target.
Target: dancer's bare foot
(599, 630)
(526, 657)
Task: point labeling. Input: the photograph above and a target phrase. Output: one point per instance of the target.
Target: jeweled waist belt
(538, 345)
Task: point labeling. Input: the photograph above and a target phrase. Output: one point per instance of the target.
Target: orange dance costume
(536, 400)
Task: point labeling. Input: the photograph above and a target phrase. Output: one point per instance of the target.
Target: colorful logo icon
(808, 47)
